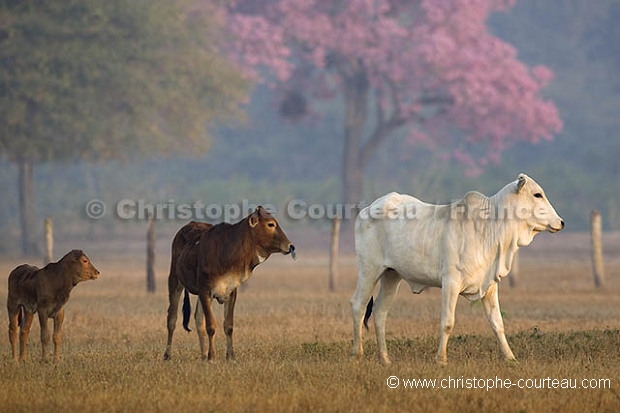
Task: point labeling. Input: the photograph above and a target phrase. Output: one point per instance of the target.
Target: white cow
(464, 248)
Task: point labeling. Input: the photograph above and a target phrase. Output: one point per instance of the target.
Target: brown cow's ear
(253, 220)
(262, 212)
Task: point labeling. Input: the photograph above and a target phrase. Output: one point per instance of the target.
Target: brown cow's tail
(368, 312)
(187, 311)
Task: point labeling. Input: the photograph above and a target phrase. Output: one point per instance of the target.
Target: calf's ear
(253, 220)
(76, 255)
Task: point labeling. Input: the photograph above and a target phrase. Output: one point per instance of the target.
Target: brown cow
(45, 291)
(211, 262)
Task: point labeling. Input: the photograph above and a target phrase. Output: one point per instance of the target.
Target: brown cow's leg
(174, 296)
(205, 300)
(58, 332)
(229, 309)
(24, 331)
(13, 327)
(45, 334)
(201, 330)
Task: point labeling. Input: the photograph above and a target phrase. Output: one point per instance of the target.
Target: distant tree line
(112, 80)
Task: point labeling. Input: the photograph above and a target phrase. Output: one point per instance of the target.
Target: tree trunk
(358, 149)
(598, 269)
(333, 254)
(356, 102)
(48, 232)
(150, 256)
(26, 205)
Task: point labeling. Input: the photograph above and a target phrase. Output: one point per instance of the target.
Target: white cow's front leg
(449, 295)
(490, 302)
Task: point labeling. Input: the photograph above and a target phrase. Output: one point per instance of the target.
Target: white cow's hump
(394, 200)
(391, 202)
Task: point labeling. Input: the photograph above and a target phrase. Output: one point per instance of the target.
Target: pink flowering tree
(429, 67)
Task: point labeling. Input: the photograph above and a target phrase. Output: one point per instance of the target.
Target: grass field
(293, 338)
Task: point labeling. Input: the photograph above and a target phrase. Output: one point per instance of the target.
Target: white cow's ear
(521, 182)
(253, 220)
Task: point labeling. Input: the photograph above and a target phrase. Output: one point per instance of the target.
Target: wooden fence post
(333, 254)
(513, 277)
(150, 256)
(48, 231)
(598, 269)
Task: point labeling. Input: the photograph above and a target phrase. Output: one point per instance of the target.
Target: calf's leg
(45, 333)
(24, 331)
(13, 327)
(57, 337)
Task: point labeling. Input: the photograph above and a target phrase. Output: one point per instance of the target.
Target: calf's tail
(368, 312)
(20, 316)
(187, 311)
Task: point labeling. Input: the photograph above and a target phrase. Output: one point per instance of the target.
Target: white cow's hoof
(440, 361)
(385, 361)
(511, 362)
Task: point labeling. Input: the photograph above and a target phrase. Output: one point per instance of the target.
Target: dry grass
(293, 342)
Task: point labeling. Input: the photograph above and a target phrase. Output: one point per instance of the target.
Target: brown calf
(211, 262)
(45, 291)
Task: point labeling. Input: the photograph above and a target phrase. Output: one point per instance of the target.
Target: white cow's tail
(368, 312)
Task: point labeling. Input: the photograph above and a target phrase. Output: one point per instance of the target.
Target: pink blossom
(431, 59)
(543, 75)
